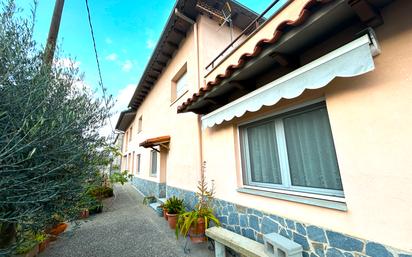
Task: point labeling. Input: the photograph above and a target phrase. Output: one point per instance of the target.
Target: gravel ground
(125, 228)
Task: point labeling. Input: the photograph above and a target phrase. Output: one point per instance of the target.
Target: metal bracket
(375, 47)
(155, 149)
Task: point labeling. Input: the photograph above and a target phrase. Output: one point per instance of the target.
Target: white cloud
(151, 39)
(66, 63)
(108, 41)
(127, 66)
(150, 43)
(112, 57)
(122, 100)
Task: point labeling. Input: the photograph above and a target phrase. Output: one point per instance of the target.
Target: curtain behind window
(311, 152)
(263, 154)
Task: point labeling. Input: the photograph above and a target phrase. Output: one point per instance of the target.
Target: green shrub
(29, 240)
(174, 205)
(120, 177)
(100, 192)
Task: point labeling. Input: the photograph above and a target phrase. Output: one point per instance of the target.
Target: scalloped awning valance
(352, 59)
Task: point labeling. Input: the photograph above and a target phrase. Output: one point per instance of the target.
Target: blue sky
(126, 32)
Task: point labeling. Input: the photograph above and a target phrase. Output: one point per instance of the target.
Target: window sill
(320, 201)
(178, 98)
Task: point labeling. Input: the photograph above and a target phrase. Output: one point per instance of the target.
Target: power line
(97, 61)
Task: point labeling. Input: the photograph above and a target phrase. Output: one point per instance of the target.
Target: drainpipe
(196, 40)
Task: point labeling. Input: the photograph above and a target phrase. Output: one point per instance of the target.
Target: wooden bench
(242, 245)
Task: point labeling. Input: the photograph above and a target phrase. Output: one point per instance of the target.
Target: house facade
(303, 122)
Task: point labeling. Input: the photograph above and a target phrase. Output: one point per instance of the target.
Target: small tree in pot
(174, 206)
(195, 222)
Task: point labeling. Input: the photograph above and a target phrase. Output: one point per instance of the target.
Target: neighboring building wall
(117, 162)
(370, 117)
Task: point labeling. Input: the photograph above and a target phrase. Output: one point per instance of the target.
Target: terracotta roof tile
(244, 58)
(155, 141)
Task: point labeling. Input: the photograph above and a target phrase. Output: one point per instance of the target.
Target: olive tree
(50, 146)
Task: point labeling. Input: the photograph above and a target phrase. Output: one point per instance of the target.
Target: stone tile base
(150, 188)
(316, 241)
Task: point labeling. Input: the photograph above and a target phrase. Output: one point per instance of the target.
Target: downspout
(196, 40)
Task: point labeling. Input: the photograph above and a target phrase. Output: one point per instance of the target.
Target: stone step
(162, 200)
(154, 205)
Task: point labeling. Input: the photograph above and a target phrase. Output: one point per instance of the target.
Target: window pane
(154, 162)
(181, 85)
(263, 154)
(311, 153)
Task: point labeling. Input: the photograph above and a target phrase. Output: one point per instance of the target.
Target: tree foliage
(50, 147)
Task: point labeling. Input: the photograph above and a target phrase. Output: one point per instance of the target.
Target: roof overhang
(352, 59)
(162, 141)
(318, 21)
(125, 119)
(174, 33)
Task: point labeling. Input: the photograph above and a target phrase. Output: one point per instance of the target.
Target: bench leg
(220, 250)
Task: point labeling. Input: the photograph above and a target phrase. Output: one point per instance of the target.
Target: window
(125, 162)
(126, 140)
(179, 83)
(138, 163)
(293, 151)
(153, 162)
(140, 124)
(131, 133)
(129, 163)
(132, 165)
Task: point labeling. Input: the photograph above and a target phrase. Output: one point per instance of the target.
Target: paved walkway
(125, 228)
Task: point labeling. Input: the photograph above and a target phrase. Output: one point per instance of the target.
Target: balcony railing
(249, 31)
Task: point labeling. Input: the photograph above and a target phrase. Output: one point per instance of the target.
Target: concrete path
(125, 228)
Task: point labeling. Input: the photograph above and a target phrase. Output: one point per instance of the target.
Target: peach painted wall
(180, 166)
(371, 121)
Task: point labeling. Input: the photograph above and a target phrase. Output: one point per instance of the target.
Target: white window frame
(283, 155)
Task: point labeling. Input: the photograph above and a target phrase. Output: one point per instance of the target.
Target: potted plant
(173, 206)
(84, 213)
(196, 222)
(31, 243)
(43, 241)
(164, 210)
(57, 227)
(28, 248)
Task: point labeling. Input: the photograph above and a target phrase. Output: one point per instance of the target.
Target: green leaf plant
(203, 209)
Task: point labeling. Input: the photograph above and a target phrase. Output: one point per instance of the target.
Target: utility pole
(53, 32)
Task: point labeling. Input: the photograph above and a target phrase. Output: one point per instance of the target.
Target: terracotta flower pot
(172, 219)
(57, 230)
(43, 245)
(84, 214)
(197, 231)
(165, 214)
